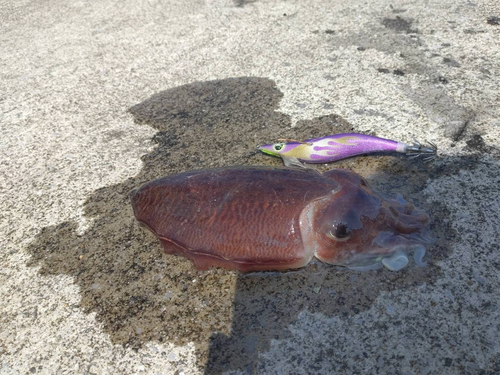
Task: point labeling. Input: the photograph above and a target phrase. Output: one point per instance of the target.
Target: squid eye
(278, 146)
(340, 232)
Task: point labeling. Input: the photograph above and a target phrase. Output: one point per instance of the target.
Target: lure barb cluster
(428, 152)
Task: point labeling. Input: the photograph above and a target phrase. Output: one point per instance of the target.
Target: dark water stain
(493, 20)
(242, 3)
(399, 24)
(474, 31)
(451, 62)
(396, 72)
(476, 143)
(397, 10)
(140, 295)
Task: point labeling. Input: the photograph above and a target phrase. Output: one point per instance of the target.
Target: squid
(266, 218)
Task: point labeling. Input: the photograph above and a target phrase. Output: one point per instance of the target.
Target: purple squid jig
(342, 146)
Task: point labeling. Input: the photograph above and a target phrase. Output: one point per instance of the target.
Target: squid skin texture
(258, 218)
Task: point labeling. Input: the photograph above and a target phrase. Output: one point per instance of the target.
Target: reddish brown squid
(258, 218)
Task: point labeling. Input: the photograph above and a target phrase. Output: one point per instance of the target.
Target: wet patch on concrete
(474, 31)
(493, 20)
(451, 62)
(476, 143)
(396, 72)
(139, 294)
(400, 25)
(242, 3)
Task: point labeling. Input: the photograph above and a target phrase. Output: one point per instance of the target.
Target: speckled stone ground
(99, 97)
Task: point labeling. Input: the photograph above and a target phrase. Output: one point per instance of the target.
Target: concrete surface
(99, 97)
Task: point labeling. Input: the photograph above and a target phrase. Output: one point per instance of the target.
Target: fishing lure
(342, 146)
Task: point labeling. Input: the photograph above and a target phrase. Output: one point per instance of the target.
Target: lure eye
(340, 232)
(278, 146)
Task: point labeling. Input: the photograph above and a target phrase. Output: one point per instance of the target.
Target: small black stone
(398, 72)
